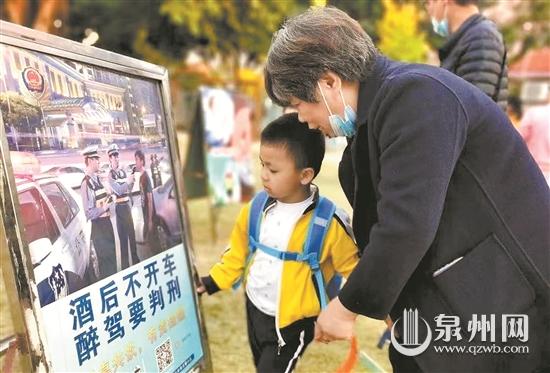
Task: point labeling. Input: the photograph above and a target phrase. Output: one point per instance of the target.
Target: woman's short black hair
(306, 146)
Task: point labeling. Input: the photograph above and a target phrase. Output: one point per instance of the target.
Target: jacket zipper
(280, 341)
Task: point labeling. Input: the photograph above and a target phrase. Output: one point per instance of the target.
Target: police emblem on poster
(33, 80)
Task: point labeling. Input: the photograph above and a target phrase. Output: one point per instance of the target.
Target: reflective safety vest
(120, 175)
(100, 194)
(311, 253)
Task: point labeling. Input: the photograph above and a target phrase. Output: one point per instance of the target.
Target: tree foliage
(530, 29)
(366, 12)
(400, 36)
(229, 27)
(383, 22)
(174, 27)
(17, 112)
(165, 31)
(119, 23)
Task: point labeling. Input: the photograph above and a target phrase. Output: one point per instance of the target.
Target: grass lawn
(224, 312)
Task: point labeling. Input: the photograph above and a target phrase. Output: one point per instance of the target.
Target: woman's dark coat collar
(368, 88)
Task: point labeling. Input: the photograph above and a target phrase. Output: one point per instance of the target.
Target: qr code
(164, 354)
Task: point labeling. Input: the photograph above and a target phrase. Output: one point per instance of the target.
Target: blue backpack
(311, 254)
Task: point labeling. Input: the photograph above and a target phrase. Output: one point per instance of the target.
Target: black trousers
(103, 238)
(126, 234)
(262, 336)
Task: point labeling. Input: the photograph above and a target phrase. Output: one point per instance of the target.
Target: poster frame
(16, 262)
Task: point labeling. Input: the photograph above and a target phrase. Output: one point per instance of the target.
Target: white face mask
(346, 126)
(441, 27)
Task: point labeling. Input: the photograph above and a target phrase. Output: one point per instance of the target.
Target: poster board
(104, 281)
(226, 118)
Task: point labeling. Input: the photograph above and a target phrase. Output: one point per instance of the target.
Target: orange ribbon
(351, 360)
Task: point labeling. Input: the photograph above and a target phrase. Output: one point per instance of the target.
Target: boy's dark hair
(140, 155)
(306, 146)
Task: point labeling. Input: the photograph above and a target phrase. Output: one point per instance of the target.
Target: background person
(514, 110)
(474, 49)
(146, 191)
(535, 130)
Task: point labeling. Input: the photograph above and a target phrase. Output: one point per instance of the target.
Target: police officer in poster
(122, 184)
(147, 206)
(155, 171)
(97, 202)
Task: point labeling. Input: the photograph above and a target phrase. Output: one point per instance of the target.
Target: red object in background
(535, 64)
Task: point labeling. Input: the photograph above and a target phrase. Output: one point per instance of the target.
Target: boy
(282, 300)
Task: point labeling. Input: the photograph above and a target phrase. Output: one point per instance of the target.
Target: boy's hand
(206, 285)
(334, 323)
(201, 290)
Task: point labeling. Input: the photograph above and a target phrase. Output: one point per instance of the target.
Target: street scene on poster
(54, 111)
(97, 200)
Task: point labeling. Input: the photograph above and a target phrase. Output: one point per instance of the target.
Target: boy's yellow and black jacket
(297, 298)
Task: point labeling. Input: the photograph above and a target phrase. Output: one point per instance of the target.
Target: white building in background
(76, 109)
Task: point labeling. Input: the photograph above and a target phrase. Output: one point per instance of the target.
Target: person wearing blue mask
(474, 49)
(449, 207)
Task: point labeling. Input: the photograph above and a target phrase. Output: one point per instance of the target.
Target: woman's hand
(334, 323)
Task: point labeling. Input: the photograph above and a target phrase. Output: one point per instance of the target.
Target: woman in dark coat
(449, 208)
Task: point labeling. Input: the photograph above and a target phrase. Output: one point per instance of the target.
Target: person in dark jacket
(449, 208)
(474, 49)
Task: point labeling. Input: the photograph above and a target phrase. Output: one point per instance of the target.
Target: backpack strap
(281, 255)
(254, 220)
(311, 253)
(318, 228)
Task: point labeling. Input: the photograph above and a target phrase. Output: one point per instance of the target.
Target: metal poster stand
(32, 328)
